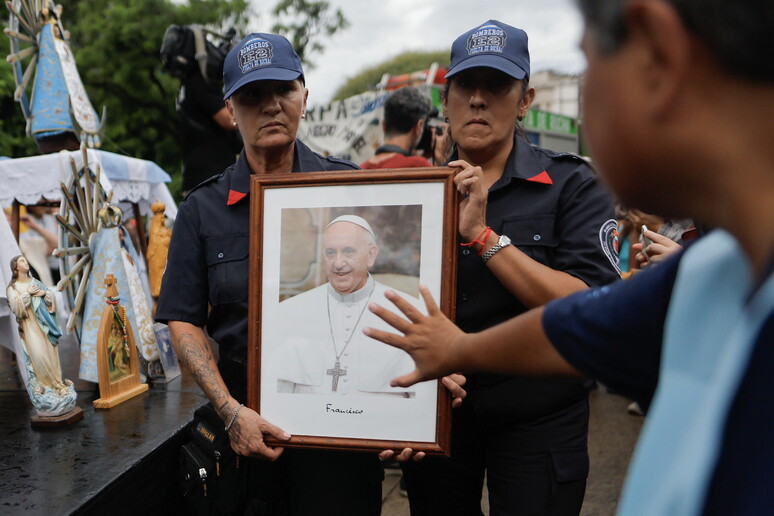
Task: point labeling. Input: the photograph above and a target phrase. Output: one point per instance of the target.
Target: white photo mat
(351, 415)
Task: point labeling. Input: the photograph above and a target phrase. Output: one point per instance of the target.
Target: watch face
(504, 240)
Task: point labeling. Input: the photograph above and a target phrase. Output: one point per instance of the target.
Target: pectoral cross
(335, 373)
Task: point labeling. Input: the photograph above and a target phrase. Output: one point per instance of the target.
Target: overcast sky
(381, 29)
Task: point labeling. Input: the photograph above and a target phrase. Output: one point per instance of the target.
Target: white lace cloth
(144, 194)
(133, 180)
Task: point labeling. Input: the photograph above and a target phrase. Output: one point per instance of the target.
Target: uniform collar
(239, 176)
(238, 180)
(522, 163)
(353, 297)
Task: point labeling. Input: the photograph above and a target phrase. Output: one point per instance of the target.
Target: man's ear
(417, 130)
(663, 53)
(373, 252)
(230, 109)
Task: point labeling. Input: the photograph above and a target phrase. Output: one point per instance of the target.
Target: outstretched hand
(429, 339)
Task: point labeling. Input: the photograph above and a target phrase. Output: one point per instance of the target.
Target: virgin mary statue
(33, 305)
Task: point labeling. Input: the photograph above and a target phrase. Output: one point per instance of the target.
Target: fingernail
(286, 436)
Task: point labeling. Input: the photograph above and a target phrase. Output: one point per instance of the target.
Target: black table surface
(70, 469)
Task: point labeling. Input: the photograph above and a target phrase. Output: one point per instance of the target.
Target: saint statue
(158, 247)
(33, 305)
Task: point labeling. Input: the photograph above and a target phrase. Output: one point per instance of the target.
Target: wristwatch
(504, 241)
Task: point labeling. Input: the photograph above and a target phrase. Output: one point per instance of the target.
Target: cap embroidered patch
(256, 52)
(493, 44)
(487, 38)
(260, 57)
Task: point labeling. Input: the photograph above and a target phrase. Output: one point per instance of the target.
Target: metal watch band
(504, 241)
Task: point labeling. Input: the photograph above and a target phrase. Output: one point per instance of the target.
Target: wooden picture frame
(294, 332)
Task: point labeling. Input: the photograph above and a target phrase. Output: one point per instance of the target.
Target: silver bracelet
(233, 416)
(502, 243)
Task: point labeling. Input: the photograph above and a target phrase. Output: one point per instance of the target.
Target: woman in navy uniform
(535, 225)
(208, 264)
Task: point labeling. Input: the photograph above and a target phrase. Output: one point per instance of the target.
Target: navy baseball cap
(260, 57)
(492, 44)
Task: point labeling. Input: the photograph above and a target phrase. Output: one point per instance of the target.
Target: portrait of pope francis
(321, 347)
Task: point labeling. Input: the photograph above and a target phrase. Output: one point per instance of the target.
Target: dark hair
(736, 32)
(403, 109)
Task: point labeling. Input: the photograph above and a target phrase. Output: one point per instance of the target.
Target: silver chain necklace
(337, 371)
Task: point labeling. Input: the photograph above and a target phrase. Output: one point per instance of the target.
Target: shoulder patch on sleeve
(206, 182)
(569, 156)
(608, 241)
(573, 157)
(341, 161)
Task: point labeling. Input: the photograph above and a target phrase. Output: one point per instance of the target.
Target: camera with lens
(431, 128)
(185, 49)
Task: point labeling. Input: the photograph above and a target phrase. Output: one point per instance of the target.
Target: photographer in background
(405, 113)
(210, 140)
(440, 143)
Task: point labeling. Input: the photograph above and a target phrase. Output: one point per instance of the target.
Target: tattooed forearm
(198, 357)
(236, 431)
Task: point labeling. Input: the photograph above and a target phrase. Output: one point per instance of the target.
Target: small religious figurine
(158, 247)
(34, 307)
(119, 369)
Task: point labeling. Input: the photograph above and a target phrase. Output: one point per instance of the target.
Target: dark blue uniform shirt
(208, 254)
(615, 334)
(208, 264)
(528, 435)
(554, 210)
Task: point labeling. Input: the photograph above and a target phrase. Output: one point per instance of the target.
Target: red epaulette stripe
(543, 178)
(234, 197)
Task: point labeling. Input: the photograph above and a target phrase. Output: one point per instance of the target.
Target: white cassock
(322, 345)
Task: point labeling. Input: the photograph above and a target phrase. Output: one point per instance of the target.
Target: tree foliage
(13, 141)
(406, 62)
(116, 47)
(305, 23)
